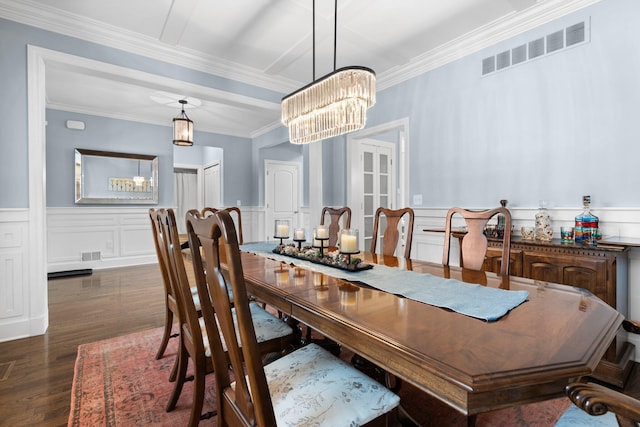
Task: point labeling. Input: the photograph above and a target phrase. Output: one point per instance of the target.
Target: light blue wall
(130, 137)
(554, 128)
(108, 135)
(14, 39)
(236, 164)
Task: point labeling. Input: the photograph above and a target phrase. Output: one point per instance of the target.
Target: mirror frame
(83, 194)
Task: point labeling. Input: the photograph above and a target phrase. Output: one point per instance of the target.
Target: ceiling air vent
(552, 42)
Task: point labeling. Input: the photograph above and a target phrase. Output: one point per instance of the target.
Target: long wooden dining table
(559, 334)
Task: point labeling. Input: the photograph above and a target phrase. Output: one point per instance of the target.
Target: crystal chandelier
(332, 105)
(182, 128)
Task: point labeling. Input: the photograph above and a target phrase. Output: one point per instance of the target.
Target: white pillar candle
(282, 230)
(348, 243)
(321, 233)
(300, 234)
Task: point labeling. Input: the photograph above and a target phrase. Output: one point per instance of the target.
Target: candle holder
(349, 243)
(281, 230)
(320, 236)
(299, 237)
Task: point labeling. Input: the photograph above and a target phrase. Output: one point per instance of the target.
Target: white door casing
(397, 132)
(376, 162)
(212, 186)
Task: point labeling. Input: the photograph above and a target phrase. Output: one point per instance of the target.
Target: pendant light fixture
(182, 128)
(334, 104)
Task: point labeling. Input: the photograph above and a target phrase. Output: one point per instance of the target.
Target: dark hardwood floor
(82, 309)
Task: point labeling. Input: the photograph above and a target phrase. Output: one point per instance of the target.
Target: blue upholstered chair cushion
(314, 388)
(576, 417)
(266, 325)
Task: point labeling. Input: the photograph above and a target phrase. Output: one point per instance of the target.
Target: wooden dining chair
(595, 405)
(335, 214)
(391, 234)
(274, 334)
(171, 308)
(193, 343)
(473, 248)
(234, 210)
(309, 386)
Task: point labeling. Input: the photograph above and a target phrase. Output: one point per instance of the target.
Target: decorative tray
(334, 259)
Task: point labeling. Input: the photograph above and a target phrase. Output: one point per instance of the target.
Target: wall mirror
(115, 178)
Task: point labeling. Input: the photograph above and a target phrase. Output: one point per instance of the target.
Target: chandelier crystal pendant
(332, 105)
(182, 128)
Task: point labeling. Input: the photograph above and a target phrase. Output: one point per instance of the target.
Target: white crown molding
(29, 13)
(51, 19)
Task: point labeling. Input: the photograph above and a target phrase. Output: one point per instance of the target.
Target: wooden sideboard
(593, 268)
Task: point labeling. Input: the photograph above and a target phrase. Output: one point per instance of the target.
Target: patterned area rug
(118, 382)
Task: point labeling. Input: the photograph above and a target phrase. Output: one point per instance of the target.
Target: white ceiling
(267, 43)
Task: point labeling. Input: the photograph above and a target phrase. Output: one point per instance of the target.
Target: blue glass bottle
(586, 228)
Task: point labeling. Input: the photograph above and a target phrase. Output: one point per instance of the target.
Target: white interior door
(375, 167)
(282, 195)
(185, 194)
(212, 186)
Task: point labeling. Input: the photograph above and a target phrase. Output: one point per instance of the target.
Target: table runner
(470, 299)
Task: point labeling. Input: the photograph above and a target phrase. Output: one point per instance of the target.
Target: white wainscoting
(15, 313)
(88, 237)
(105, 237)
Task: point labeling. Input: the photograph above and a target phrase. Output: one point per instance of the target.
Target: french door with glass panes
(378, 183)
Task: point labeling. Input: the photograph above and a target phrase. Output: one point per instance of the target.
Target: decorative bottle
(586, 227)
(543, 230)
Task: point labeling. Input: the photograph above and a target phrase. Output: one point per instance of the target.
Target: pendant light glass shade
(332, 105)
(182, 128)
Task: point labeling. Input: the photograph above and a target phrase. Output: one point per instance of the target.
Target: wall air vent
(536, 48)
(503, 60)
(575, 34)
(488, 65)
(556, 41)
(519, 54)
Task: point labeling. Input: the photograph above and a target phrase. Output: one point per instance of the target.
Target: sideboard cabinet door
(584, 272)
(493, 261)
